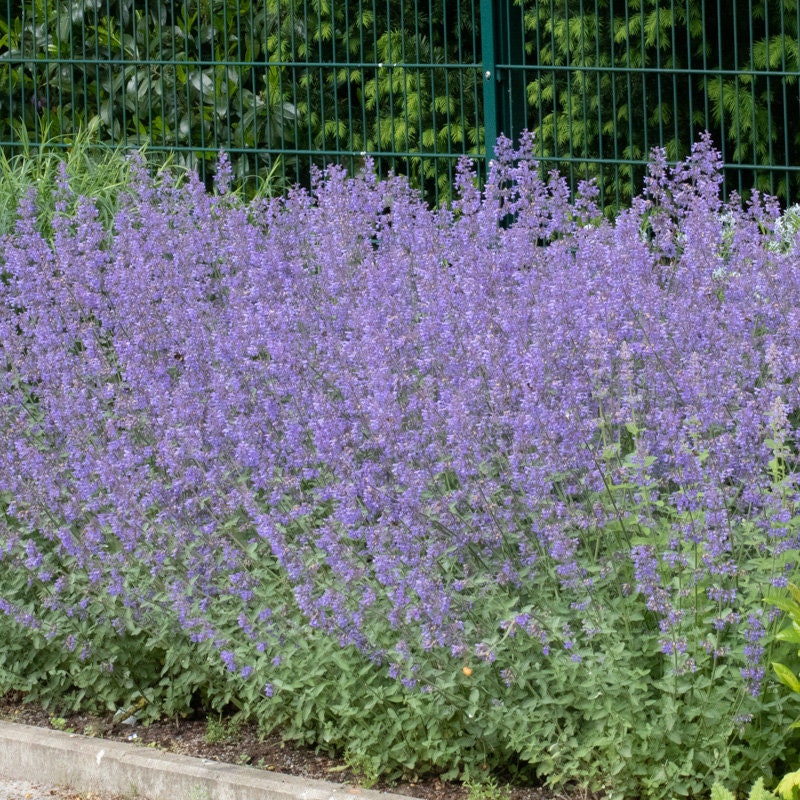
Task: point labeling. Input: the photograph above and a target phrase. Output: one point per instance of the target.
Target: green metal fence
(604, 81)
(285, 84)
(280, 84)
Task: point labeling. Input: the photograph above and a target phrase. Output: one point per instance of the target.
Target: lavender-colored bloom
(753, 672)
(229, 659)
(402, 411)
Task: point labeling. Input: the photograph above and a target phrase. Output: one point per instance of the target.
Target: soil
(244, 745)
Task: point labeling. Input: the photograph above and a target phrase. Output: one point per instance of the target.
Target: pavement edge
(89, 764)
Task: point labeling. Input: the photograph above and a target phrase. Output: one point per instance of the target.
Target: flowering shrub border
(518, 473)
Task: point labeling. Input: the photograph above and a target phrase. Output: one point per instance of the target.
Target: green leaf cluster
(614, 79)
(279, 84)
(171, 75)
(283, 85)
(757, 792)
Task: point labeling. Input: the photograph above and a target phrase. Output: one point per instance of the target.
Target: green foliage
(220, 730)
(145, 76)
(789, 786)
(613, 81)
(757, 792)
(486, 789)
(196, 77)
(320, 82)
(786, 229)
(95, 170)
(366, 770)
(791, 635)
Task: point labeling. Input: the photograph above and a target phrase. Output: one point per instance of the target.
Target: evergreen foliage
(316, 81)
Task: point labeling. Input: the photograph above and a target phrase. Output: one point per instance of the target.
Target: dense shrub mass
(500, 485)
(617, 77)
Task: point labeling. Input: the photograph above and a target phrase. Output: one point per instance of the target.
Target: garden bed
(220, 739)
(501, 489)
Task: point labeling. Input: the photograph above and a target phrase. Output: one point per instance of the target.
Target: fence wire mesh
(283, 85)
(605, 81)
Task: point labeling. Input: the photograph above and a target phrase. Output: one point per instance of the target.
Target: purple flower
(753, 672)
(405, 416)
(229, 659)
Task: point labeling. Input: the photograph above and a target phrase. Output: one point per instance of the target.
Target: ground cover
(505, 488)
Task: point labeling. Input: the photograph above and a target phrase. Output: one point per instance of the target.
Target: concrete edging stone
(88, 764)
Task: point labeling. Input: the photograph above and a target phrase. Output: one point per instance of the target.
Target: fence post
(488, 68)
(503, 56)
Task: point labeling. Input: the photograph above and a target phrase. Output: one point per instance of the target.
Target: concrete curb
(87, 764)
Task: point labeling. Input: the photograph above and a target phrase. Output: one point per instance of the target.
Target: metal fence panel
(280, 84)
(607, 80)
(283, 85)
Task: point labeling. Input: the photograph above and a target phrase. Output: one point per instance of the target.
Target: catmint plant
(528, 464)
